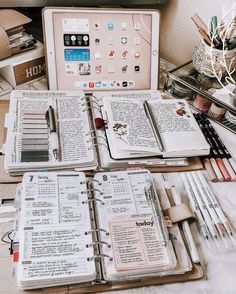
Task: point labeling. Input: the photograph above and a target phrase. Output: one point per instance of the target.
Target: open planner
(149, 126)
(73, 130)
(97, 232)
(37, 138)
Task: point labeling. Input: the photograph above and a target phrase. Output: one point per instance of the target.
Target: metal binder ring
(92, 200)
(86, 109)
(100, 256)
(90, 132)
(96, 144)
(96, 230)
(96, 98)
(83, 98)
(96, 181)
(95, 189)
(97, 107)
(98, 243)
(96, 102)
(95, 137)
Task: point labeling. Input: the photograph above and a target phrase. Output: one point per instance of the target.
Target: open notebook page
(137, 234)
(178, 128)
(53, 222)
(73, 129)
(129, 131)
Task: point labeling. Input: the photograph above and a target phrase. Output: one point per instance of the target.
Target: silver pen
(151, 119)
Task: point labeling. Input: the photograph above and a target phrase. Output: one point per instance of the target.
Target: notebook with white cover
(95, 232)
(130, 132)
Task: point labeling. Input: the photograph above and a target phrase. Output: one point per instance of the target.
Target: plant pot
(213, 62)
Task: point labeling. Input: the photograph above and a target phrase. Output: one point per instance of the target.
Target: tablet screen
(102, 51)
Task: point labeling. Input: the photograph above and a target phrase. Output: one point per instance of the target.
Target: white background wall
(178, 32)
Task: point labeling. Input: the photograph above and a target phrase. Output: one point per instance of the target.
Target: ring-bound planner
(102, 233)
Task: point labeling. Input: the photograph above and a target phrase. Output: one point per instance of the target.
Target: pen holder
(213, 62)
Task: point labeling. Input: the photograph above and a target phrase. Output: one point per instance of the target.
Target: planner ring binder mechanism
(48, 130)
(97, 233)
(139, 126)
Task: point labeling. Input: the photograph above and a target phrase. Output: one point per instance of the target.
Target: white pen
(50, 117)
(186, 229)
(205, 200)
(194, 205)
(202, 207)
(217, 208)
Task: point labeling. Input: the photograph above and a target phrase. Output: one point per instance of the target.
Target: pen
(186, 228)
(213, 152)
(151, 119)
(199, 22)
(228, 156)
(151, 198)
(51, 121)
(202, 207)
(217, 207)
(205, 200)
(194, 205)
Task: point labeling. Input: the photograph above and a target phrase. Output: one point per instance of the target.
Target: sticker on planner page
(136, 243)
(34, 140)
(75, 25)
(77, 54)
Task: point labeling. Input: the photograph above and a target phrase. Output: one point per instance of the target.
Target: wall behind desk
(178, 32)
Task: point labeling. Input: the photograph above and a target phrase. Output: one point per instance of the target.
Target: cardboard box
(25, 67)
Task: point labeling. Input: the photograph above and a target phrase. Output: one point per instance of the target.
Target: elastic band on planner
(96, 230)
(93, 200)
(100, 256)
(98, 243)
(95, 189)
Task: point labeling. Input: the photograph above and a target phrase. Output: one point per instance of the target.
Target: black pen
(51, 121)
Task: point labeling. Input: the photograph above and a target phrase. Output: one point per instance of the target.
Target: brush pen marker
(213, 152)
(220, 156)
(194, 205)
(218, 153)
(228, 156)
(211, 173)
(186, 228)
(205, 200)
(202, 207)
(217, 149)
(217, 207)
